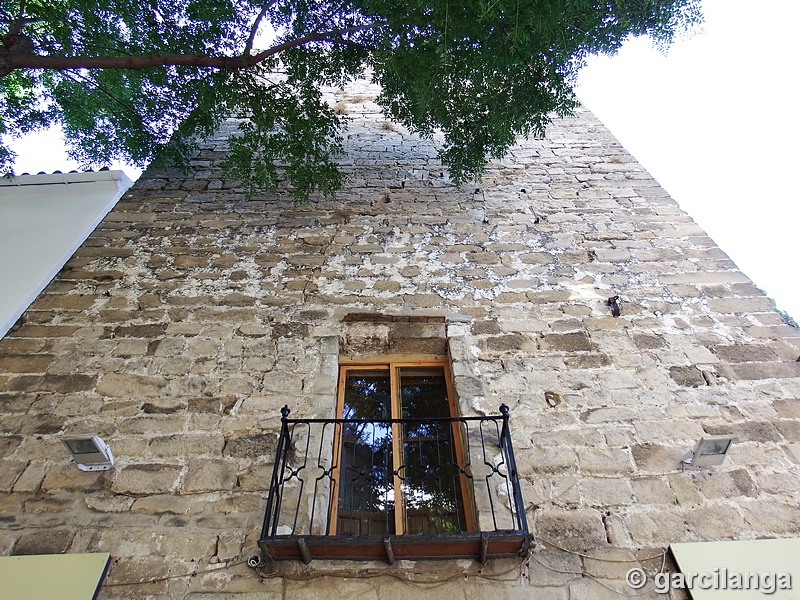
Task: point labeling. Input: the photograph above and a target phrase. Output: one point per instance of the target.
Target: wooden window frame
(393, 365)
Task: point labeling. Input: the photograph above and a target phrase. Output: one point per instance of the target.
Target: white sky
(715, 121)
(44, 152)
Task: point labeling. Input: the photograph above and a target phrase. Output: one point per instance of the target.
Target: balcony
(394, 489)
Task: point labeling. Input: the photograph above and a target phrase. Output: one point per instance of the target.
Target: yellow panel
(724, 565)
(57, 576)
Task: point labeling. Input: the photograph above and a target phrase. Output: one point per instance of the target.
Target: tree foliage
(137, 79)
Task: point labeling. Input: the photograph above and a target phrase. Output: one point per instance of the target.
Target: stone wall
(190, 316)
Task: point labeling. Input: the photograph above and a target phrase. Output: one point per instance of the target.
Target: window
(394, 474)
(400, 456)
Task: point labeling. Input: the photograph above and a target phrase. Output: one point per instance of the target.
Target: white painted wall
(43, 221)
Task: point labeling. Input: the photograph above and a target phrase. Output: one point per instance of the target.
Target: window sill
(470, 545)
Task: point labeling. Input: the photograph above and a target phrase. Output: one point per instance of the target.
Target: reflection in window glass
(366, 492)
(401, 478)
(431, 486)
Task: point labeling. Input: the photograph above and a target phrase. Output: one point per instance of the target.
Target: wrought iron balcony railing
(391, 489)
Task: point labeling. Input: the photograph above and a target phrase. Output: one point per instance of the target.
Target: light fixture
(709, 450)
(90, 452)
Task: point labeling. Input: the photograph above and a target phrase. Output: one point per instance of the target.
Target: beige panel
(57, 576)
(724, 561)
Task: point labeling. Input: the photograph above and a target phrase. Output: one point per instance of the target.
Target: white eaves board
(43, 221)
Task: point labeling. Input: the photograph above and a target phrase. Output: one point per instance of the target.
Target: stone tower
(190, 317)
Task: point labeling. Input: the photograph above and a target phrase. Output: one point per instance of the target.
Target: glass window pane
(366, 492)
(430, 473)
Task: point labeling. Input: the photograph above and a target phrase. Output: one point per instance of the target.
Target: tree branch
(64, 63)
(352, 44)
(325, 36)
(10, 62)
(249, 46)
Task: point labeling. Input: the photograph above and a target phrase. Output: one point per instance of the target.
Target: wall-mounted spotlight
(90, 452)
(709, 450)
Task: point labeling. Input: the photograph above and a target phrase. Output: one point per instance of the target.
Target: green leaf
(481, 72)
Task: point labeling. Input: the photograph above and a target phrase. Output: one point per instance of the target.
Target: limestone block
(687, 376)
(15, 404)
(615, 530)
(44, 331)
(255, 477)
(137, 569)
(52, 383)
(231, 386)
(768, 517)
(651, 431)
(618, 380)
(63, 301)
(149, 331)
(188, 261)
(69, 477)
(25, 363)
(748, 431)
(601, 589)
(237, 299)
(788, 409)
(187, 543)
(793, 452)
(105, 504)
(533, 461)
(146, 479)
(167, 504)
(715, 522)
(208, 475)
(768, 370)
(606, 492)
(123, 385)
(131, 347)
(740, 305)
(568, 342)
(509, 343)
(280, 382)
(657, 458)
(153, 424)
(551, 568)
(252, 446)
(605, 461)
(744, 353)
(651, 490)
(244, 509)
(579, 529)
(10, 471)
(612, 254)
(648, 342)
(335, 587)
(48, 541)
(202, 347)
(181, 445)
(7, 541)
(255, 590)
(31, 478)
(609, 563)
(656, 529)
(423, 300)
(727, 484)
